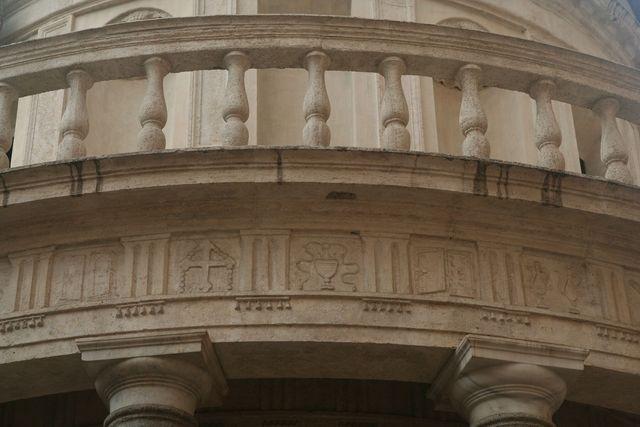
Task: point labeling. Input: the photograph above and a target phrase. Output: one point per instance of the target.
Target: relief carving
(206, 268)
(386, 263)
(500, 274)
(264, 260)
(428, 272)
(386, 305)
(24, 322)
(146, 264)
(324, 265)
(505, 316)
(72, 278)
(262, 303)
(632, 287)
(460, 273)
(560, 283)
(139, 15)
(31, 278)
(439, 266)
(102, 282)
(139, 309)
(618, 334)
(81, 276)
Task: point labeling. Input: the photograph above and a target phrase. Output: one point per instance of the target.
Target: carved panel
(262, 303)
(146, 265)
(204, 265)
(386, 263)
(560, 283)
(88, 274)
(265, 255)
(501, 274)
(460, 273)
(428, 270)
(7, 295)
(326, 263)
(632, 291)
(609, 279)
(30, 279)
(439, 266)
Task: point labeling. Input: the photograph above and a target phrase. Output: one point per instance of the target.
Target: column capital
(493, 381)
(154, 378)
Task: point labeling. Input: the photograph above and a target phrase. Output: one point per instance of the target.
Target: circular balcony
(319, 261)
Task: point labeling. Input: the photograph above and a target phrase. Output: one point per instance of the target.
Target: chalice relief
(324, 260)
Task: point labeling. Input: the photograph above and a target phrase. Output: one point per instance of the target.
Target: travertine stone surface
(511, 394)
(75, 121)
(8, 97)
(291, 250)
(153, 111)
(495, 382)
(152, 379)
(613, 151)
(548, 136)
(394, 112)
(149, 391)
(317, 107)
(473, 121)
(163, 273)
(236, 106)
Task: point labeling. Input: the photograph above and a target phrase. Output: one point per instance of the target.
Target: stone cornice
(354, 44)
(268, 165)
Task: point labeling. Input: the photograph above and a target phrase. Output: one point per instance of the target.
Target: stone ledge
(300, 165)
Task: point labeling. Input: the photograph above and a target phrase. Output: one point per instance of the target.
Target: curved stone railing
(467, 58)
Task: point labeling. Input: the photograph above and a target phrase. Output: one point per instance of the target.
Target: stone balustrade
(470, 59)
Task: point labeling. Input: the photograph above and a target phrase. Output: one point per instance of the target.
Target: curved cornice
(415, 173)
(354, 44)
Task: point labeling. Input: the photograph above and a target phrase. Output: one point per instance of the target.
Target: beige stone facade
(319, 213)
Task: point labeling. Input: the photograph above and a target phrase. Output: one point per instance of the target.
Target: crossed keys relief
(323, 267)
(206, 268)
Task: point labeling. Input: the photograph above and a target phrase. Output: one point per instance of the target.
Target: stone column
(511, 394)
(154, 380)
(501, 382)
(152, 391)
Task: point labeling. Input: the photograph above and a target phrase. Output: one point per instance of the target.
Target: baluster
(394, 110)
(8, 96)
(547, 133)
(153, 111)
(317, 106)
(473, 120)
(75, 120)
(236, 108)
(612, 148)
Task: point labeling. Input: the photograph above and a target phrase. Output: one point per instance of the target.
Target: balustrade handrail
(354, 44)
(472, 59)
